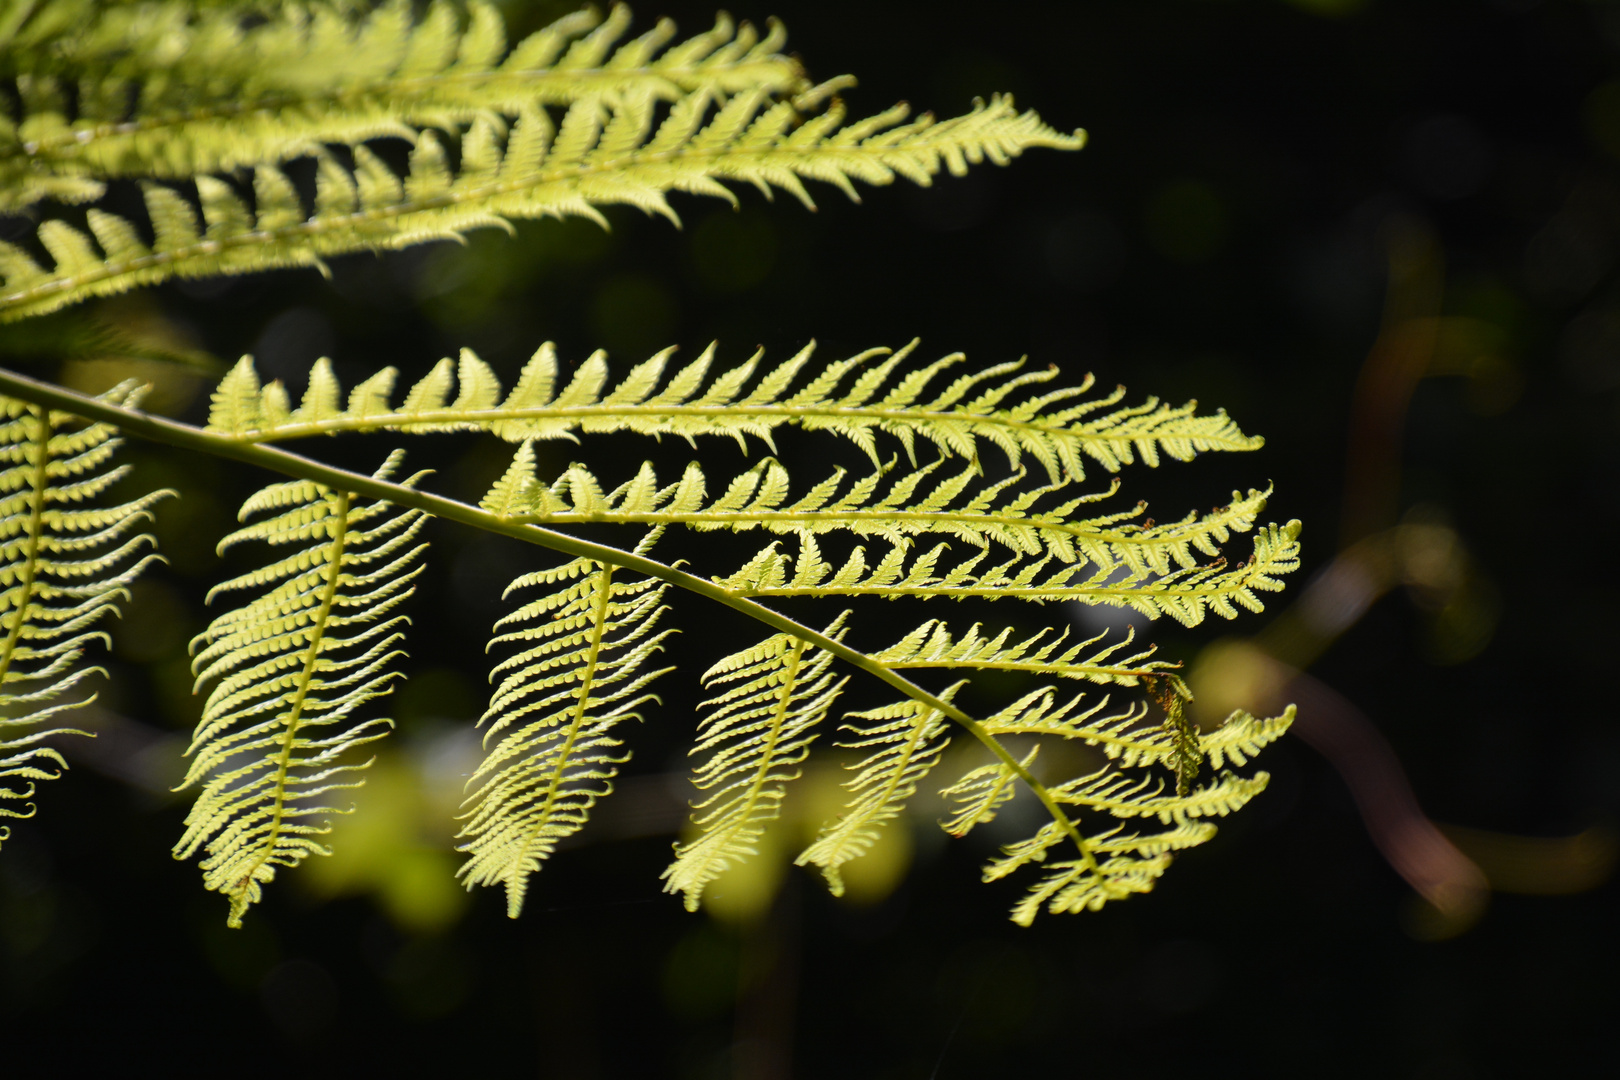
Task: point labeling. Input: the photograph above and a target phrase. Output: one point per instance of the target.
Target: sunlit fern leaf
(931, 646)
(1115, 865)
(907, 740)
(580, 676)
(756, 738)
(65, 562)
(1242, 736)
(603, 151)
(1121, 795)
(887, 505)
(167, 90)
(1127, 737)
(1060, 429)
(1076, 885)
(1184, 595)
(293, 667)
(981, 792)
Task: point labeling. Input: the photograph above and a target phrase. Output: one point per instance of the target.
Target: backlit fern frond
(64, 565)
(907, 740)
(555, 711)
(883, 505)
(1184, 595)
(757, 737)
(1113, 864)
(293, 666)
(168, 90)
(603, 151)
(931, 646)
(1060, 429)
(981, 792)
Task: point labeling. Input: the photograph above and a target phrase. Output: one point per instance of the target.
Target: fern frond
(1060, 429)
(555, 711)
(1076, 885)
(604, 151)
(931, 646)
(1133, 863)
(167, 91)
(1242, 736)
(908, 738)
(906, 506)
(981, 792)
(64, 566)
(1123, 796)
(293, 666)
(1184, 595)
(758, 735)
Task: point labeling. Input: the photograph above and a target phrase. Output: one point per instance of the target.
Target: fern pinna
(65, 567)
(292, 666)
(163, 139)
(592, 634)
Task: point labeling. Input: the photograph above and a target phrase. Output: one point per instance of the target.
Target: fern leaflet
(931, 646)
(63, 567)
(555, 710)
(602, 152)
(904, 508)
(907, 740)
(1057, 430)
(293, 666)
(164, 90)
(758, 735)
(1184, 595)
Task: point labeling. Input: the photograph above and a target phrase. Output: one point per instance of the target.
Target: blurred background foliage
(1383, 233)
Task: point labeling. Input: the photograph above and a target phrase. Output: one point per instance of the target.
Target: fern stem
(289, 740)
(188, 437)
(36, 527)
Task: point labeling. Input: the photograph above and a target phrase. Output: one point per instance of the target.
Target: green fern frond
(904, 507)
(931, 646)
(1059, 429)
(163, 90)
(293, 666)
(981, 792)
(908, 738)
(756, 739)
(1076, 885)
(1123, 796)
(1132, 864)
(1184, 595)
(604, 151)
(592, 633)
(1114, 864)
(1243, 736)
(64, 566)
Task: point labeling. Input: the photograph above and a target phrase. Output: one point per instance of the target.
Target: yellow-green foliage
(1060, 428)
(591, 632)
(544, 130)
(757, 738)
(212, 110)
(168, 89)
(64, 565)
(291, 666)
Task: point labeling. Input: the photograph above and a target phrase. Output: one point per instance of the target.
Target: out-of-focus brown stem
(1398, 360)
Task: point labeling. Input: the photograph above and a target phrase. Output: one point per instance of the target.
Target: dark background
(1224, 236)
